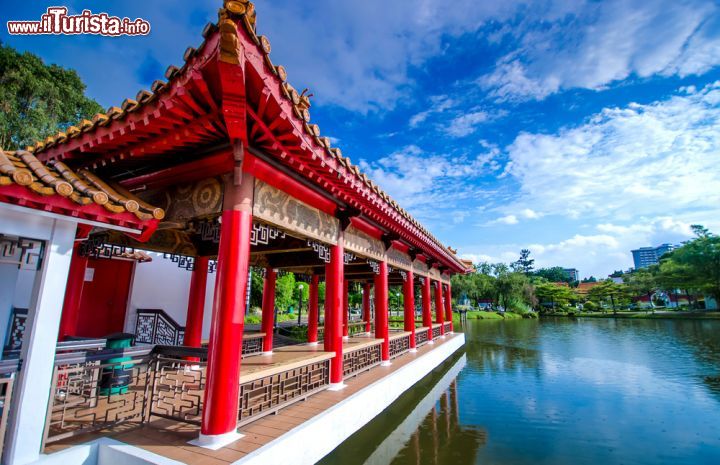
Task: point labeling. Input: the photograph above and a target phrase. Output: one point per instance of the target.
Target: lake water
(559, 391)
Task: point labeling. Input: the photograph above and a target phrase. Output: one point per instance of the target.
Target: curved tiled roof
(244, 12)
(22, 168)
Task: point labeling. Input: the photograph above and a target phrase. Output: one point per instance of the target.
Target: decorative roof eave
(55, 188)
(336, 165)
(147, 104)
(137, 113)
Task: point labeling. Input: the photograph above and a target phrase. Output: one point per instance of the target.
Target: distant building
(584, 288)
(572, 273)
(646, 256)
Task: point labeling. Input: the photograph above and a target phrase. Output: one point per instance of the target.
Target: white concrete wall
(31, 394)
(162, 284)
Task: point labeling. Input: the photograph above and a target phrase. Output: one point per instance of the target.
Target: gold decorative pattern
(363, 244)
(420, 268)
(192, 200)
(397, 259)
(281, 209)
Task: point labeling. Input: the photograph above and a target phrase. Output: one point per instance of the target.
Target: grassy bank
(644, 315)
(481, 315)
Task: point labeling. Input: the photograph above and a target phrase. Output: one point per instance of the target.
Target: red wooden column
(73, 294)
(268, 309)
(333, 342)
(196, 303)
(313, 309)
(74, 286)
(409, 301)
(220, 409)
(382, 330)
(439, 311)
(366, 307)
(448, 307)
(426, 307)
(346, 308)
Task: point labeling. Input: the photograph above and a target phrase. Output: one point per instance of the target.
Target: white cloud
(438, 104)
(424, 182)
(658, 159)
(465, 124)
(597, 43)
(357, 54)
(600, 252)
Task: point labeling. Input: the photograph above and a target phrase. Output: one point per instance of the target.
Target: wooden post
(409, 301)
(448, 307)
(427, 309)
(334, 277)
(220, 409)
(313, 309)
(196, 303)
(439, 311)
(366, 307)
(381, 310)
(346, 309)
(268, 309)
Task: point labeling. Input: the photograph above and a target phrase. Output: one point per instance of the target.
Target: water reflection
(416, 431)
(560, 391)
(441, 438)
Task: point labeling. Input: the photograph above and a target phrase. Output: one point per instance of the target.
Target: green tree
(37, 100)
(524, 264)
(554, 294)
(695, 266)
(556, 274)
(285, 292)
(618, 295)
(642, 282)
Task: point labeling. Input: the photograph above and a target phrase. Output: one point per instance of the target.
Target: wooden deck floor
(170, 439)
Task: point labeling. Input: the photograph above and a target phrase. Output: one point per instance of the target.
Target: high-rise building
(646, 256)
(572, 273)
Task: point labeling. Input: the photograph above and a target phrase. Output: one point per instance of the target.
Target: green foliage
(553, 295)
(612, 293)
(695, 266)
(556, 274)
(37, 100)
(285, 292)
(524, 264)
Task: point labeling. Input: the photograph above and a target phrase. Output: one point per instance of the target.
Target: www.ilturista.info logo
(57, 21)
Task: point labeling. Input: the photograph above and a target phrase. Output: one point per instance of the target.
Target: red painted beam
(279, 180)
(218, 163)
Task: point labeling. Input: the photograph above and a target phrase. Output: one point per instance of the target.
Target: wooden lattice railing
(154, 326)
(447, 325)
(8, 370)
(421, 337)
(269, 394)
(362, 359)
(436, 332)
(399, 345)
(99, 389)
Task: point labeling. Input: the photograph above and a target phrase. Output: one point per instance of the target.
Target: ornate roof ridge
(244, 12)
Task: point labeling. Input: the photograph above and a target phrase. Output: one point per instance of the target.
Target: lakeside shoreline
(714, 315)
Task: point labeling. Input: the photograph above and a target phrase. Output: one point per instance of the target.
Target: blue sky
(578, 129)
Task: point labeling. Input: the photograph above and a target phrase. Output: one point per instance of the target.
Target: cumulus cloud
(465, 124)
(422, 182)
(358, 54)
(656, 159)
(594, 44)
(598, 252)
